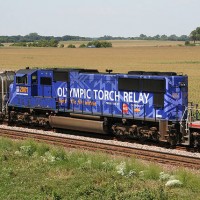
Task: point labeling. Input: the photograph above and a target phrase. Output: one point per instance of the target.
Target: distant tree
(53, 43)
(90, 44)
(143, 37)
(71, 46)
(195, 35)
(187, 43)
(163, 37)
(156, 37)
(99, 44)
(32, 37)
(43, 43)
(106, 37)
(19, 44)
(183, 38)
(106, 44)
(82, 46)
(173, 37)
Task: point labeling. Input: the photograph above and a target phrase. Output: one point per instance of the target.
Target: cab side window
(21, 80)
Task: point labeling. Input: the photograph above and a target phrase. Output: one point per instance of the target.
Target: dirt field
(125, 56)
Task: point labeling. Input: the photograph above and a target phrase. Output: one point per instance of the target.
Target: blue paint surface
(98, 94)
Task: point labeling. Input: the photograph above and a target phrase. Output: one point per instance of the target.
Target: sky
(95, 18)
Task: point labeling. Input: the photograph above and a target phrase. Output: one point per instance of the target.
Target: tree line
(162, 37)
(36, 40)
(32, 37)
(39, 43)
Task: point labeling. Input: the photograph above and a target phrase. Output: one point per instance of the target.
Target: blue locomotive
(147, 105)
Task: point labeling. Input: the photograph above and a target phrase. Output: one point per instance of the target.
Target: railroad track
(149, 155)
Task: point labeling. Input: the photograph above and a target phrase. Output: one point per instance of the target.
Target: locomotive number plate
(22, 90)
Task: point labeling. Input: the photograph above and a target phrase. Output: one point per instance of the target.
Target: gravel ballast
(111, 142)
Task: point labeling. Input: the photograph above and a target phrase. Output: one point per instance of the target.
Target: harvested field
(125, 56)
(130, 43)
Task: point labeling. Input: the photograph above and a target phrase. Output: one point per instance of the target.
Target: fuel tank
(77, 124)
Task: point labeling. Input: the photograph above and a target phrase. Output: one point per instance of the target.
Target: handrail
(190, 114)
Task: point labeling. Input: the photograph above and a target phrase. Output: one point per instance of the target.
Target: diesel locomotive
(138, 104)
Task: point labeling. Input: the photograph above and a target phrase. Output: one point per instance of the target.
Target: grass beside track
(38, 171)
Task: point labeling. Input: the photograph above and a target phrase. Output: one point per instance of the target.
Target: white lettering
(117, 96)
(141, 98)
(104, 95)
(62, 92)
(100, 95)
(59, 92)
(130, 97)
(76, 92)
(87, 94)
(110, 95)
(146, 96)
(95, 94)
(81, 93)
(125, 96)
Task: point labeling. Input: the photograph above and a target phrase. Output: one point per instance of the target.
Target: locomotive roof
(26, 71)
(82, 70)
(155, 73)
(30, 71)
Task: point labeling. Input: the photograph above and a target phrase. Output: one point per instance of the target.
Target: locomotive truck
(138, 104)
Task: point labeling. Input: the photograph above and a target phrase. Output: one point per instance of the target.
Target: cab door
(46, 86)
(34, 84)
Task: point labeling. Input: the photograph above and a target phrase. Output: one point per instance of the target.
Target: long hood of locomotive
(99, 94)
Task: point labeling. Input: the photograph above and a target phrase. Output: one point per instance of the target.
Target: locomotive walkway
(104, 146)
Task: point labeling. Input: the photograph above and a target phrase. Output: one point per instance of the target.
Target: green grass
(37, 171)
